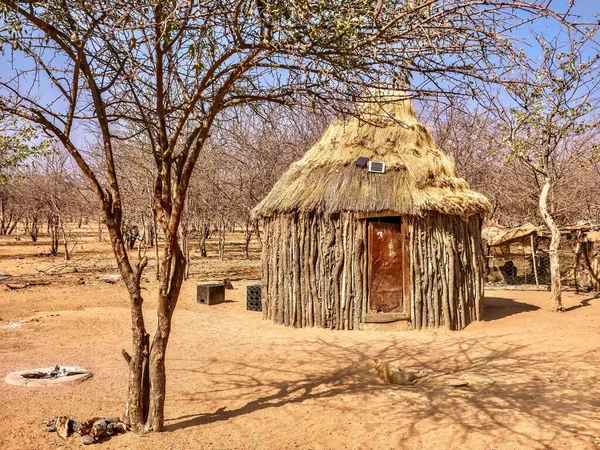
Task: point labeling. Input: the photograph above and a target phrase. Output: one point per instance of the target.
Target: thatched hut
(344, 245)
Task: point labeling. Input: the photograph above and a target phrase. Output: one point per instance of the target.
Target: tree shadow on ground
(509, 384)
(583, 303)
(495, 308)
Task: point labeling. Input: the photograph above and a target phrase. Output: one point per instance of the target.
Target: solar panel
(362, 161)
(377, 166)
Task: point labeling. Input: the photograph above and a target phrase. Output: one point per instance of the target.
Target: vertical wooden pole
(534, 258)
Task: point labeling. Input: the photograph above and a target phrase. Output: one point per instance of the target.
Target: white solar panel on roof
(377, 166)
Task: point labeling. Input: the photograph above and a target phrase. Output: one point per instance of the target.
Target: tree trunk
(185, 238)
(155, 233)
(555, 286)
(248, 231)
(34, 229)
(171, 282)
(150, 233)
(53, 229)
(221, 243)
(99, 229)
(65, 239)
(147, 374)
(257, 231)
(203, 235)
(136, 411)
(12, 227)
(2, 216)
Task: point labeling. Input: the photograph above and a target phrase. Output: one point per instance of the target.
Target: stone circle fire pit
(48, 376)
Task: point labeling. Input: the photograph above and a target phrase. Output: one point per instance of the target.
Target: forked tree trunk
(6, 220)
(172, 275)
(12, 227)
(203, 235)
(555, 285)
(147, 375)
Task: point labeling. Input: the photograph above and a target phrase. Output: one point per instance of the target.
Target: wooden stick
(534, 258)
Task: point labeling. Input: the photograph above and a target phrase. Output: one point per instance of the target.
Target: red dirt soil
(238, 382)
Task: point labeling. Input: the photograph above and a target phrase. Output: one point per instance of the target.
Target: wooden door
(387, 257)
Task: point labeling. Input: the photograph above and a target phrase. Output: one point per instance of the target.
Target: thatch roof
(418, 178)
(496, 235)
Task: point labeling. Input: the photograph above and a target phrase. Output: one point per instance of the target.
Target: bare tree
(9, 211)
(476, 140)
(166, 72)
(552, 103)
(48, 191)
(257, 150)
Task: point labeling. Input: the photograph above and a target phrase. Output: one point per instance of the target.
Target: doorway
(387, 264)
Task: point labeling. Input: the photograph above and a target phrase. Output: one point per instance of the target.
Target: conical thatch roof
(418, 178)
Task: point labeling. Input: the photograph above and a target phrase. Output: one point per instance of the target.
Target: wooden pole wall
(315, 271)
(447, 264)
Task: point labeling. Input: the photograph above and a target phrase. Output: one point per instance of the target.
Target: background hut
(343, 246)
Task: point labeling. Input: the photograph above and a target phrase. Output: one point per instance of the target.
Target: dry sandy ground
(238, 382)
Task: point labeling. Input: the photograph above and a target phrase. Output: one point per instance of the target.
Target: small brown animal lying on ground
(394, 375)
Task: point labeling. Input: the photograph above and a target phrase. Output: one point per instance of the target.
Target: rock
(76, 426)
(50, 425)
(112, 279)
(62, 427)
(86, 439)
(99, 428)
(457, 383)
(86, 426)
